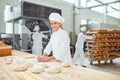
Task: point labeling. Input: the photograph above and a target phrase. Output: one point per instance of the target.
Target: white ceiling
(113, 6)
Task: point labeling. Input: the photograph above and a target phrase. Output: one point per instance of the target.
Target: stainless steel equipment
(29, 14)
(8, 39)
(32, 14)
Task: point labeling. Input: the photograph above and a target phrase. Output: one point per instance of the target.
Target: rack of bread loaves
(104, 46)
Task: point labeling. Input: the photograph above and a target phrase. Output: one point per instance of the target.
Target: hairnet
(83, 28)
(36, 28)
(56, 17)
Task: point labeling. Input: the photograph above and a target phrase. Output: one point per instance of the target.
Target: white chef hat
(57, 17)
(36, 28)
(83, 28)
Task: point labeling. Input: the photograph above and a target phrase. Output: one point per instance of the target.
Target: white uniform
(79, 48)
(59, 44)
(37, 43)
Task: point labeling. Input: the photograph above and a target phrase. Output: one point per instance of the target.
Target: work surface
(70, 73)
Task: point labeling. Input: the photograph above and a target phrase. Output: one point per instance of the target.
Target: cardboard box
(5, 50)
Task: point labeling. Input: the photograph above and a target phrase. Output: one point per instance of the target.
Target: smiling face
(38, 30)
(55, 25)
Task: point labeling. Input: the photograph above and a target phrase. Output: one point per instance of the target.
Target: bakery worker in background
(59, 43)
(37, 41)
(79, 52)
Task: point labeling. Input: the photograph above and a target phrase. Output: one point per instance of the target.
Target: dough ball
(65, 64)
(36, 69)
(19, 68)
(28, 64)
(22, 61)
(53, 70)
(19, 60)
(19, 77)
(42, 65)
(8, 59)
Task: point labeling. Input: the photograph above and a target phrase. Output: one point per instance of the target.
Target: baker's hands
(43, 58)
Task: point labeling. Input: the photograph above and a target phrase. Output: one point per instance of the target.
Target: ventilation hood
(30, 14)
(42, 23)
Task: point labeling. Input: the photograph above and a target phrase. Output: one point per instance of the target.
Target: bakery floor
(109, 67)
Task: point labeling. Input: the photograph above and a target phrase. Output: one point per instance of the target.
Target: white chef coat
(79, 53)
(81, 39)
(37, 43)
(59, 44)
